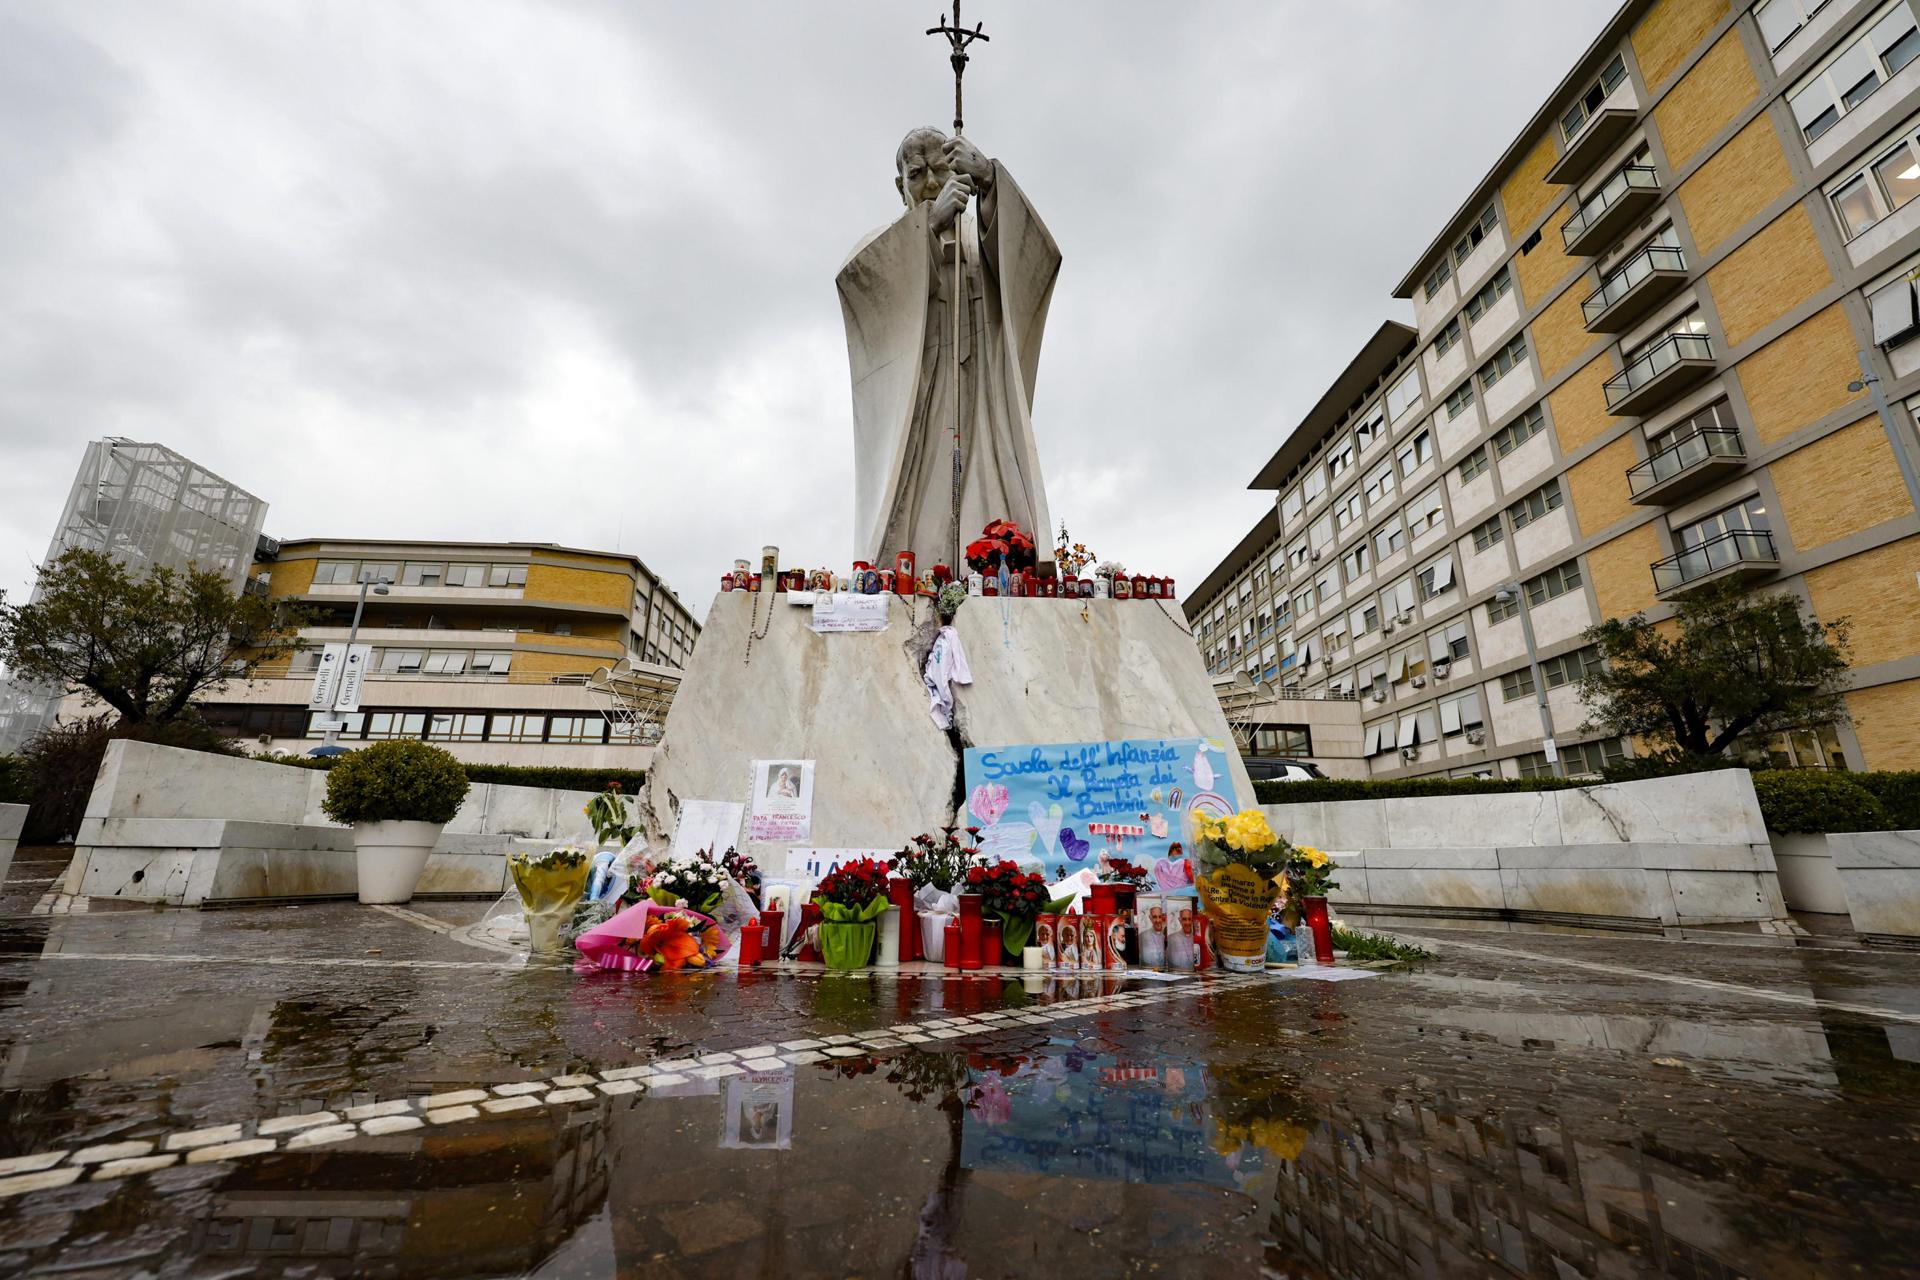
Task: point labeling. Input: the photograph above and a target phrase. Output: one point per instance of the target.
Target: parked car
(1275, 769)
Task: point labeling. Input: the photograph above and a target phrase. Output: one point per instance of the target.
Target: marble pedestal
(1043, 671)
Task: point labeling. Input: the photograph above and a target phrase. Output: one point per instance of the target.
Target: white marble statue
(894, 296)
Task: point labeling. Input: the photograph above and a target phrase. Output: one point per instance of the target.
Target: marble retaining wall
(13, 817)
(1663, 853)
(189, 828)
(1880, 873)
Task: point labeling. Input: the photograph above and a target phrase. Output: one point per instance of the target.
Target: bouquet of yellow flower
(1244, 838)
(1310, 873)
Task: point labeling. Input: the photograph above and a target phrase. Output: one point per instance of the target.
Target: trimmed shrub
(14, 788)
(400, 781)
(1898, 794)
(1309, 790)
(558, 777)
(1812, 801)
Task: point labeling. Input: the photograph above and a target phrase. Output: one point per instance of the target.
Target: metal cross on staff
(959, 38)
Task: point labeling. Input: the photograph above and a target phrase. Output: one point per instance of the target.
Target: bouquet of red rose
(851, 899)
(1002, 541)
(1120, 871)
(1015, 898)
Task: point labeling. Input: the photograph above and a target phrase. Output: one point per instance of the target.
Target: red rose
(975, 875)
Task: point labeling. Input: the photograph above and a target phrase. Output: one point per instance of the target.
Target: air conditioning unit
(1419, 682)
(1314, 554)
(1409, 753)
(1379, 695)
(265, 548)
(1441, 668)
(1476, 736)
(1386, 628)
(1406, 615)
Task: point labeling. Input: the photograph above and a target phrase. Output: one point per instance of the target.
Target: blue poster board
(1064, 807)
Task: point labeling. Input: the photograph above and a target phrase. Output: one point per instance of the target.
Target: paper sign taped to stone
(838, 614)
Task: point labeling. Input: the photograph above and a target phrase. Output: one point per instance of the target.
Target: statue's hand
(964, 157)
(951, 201)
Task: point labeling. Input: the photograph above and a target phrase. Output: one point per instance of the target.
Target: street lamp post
(1511, 591)
(379, 587)
(1867, 381)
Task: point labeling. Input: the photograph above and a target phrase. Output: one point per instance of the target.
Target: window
(1328, 587)
(401, 660)
(1491, 292)
(1534, 764)
(1358, 560)
(1425, 512)
(1398, 598)
(1473, 464)
(1448, 336)
(444, 664)
(1379, 485)
(1320, 533)
(1886, 183)
(356, 723)
(1780, 20)
(420, 575)
(1436, 578)
(1457, 715)
(1488, 532)
(1291, 740)
(1291, 505)
(1335, 636)
(1591, 757)
(1459, 400)
(1799, 749)
(452, 726)
(1575, 117)
(1449, 643)
(1851, 76)
(1282, 612)
(1381, 737)
(1277, 562)
(1416, 453)
(1504, 361)
(1372, 429)
(577, 729)
(1437, 279)
(1895, 312)
(1569, 667)
(1372, 676)
(393, 724)
(517, 728)
(466, 575)
(1500, 608)
(1519, 431)
(332, 573)
(1389, 540)
(1365, 619)
(1405, 394)
(1483, 227)
(1347, 510)
(1554, 583)
(1303, 601)
(1407, 664)
(1313, 484)
(1339, 460)
(1516, 685)
(1297, 553)
(1748, 516)
(493, 663)
(377, 571)
(1547, 497)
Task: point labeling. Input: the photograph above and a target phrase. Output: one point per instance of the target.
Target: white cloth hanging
(946, 666)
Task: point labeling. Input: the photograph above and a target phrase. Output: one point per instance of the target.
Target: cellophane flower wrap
(649, 936)
(1015, 898)
(694, 880)
(551, 885)
(851, 899)
(1241, 859)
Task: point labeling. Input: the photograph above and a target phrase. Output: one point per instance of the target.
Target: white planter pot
(390, 857)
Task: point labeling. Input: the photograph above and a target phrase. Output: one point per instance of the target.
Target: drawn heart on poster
(988, 802)
(1046, 821)
(1172, 876)
(1073, 846)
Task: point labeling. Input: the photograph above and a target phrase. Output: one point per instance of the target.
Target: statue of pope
(896, 299)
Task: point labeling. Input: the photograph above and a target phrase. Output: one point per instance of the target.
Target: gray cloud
(564, 271)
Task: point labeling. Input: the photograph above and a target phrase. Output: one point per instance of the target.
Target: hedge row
(1791, 800)
(517, 775)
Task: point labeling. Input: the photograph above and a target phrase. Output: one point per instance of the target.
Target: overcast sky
(563, 272)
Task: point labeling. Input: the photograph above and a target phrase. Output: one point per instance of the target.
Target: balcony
(1604, 131)
(1658, 374)
(1634, 288)
(1742, 554)
(1620, 202)
(1687, 466)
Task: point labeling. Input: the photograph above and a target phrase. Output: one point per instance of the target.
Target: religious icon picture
(782, 800)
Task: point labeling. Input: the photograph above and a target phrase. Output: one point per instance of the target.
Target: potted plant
(1240, 861)
(851, 899)
(1014, 898)
(934, 867)
(1309, 875)
(397, 797)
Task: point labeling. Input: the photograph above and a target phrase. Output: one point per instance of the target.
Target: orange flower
(670, 943)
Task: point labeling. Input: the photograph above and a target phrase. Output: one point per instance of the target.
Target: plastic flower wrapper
(693, 881)
(851, 899)
(650, 936)
(551, 885)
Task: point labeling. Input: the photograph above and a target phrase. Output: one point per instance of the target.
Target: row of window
(1318, 475)
(466, 726)
(1886, 43)
(432, 662)
(415, 573)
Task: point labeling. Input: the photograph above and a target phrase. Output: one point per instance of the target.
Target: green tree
(1729, 668)
(146, 645)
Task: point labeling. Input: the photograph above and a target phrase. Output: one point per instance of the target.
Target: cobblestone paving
(334, 1090)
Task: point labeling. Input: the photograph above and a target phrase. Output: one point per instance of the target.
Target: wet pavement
(335, 1090)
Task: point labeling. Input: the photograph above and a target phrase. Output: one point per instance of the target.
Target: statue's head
(920, 166)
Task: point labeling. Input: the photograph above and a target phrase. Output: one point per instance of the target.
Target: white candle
(1030, 959)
